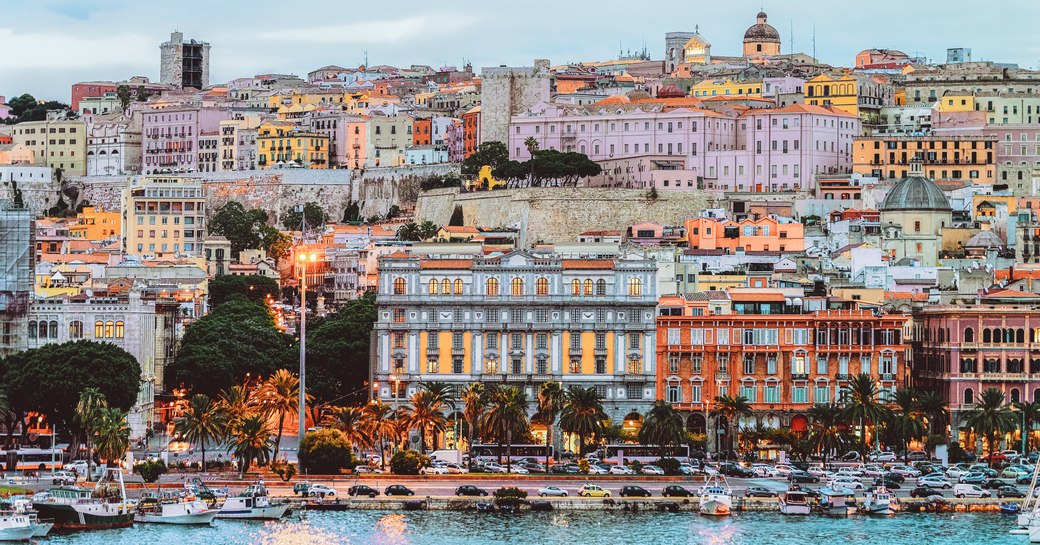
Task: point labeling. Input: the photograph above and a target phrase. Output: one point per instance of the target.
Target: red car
(994, 457)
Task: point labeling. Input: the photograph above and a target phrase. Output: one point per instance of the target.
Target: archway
(799, 423)
(696, 424)
(632, 423)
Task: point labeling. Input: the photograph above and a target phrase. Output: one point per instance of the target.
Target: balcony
(799, 376)
(1002, 377)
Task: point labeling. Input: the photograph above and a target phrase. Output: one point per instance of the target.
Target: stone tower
(184, 64)
(506, 91)
(674, 42)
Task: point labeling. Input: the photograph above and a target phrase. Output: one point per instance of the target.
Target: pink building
(5, 110)
(171, 137)
(753, 150)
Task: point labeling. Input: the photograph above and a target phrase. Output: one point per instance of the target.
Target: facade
(237, 145)
(56, 143)
(164, 216)
(471, 131)
(96, 224)
(281, 144)
(913, 215)
(857, 94)
(171, 137)
(761, 40)
(507, 91)
(968, 159)
(16, 280)
(750, 235)
(137, 85)
(387, 138)
(114, 145)
(209, 154)
(184, 63)
(518, 319)
(927, 85)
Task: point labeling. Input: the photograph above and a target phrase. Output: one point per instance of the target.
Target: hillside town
(716, 246)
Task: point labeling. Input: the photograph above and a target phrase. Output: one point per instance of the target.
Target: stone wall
(560, 214)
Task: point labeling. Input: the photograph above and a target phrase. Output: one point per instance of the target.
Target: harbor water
(571, 528)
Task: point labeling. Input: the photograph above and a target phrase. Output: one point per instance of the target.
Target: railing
(799, 376)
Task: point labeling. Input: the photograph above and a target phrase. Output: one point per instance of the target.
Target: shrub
(669, 465)
(325, 451)
(150, 470)
(284, 470)
(510, 495)
(584, 466)
(408, 462)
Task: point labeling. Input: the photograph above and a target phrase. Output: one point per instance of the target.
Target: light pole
(304, 258)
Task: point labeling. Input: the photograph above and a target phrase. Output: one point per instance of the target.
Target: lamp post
(302, 416)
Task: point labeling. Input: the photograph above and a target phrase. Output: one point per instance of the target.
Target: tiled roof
(754, 297)
(587, 263)
(446, 264)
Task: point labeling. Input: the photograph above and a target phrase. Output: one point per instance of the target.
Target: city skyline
(257, 43)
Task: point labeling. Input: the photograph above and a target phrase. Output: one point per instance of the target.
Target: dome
(670, 91)
(638, 94)
(916, 193)
(984, 239)
(761, 31)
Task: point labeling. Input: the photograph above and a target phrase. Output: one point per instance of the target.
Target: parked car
(687, 469)
(1010, 455)
(1013, 473)
(994, 483)
(398, 490)
(817, 471)
(888, 482)
(634, 491)
(1010, 492)
(588, 490)
(758, 492)
(916, 455)
(597, 470)
(651, 470)
(894, 477)
(554, 491)
(784, 469)
(470, 490)
(457, 469)
(434, 470)
(63, 477)
(970, 491)
(849, 484)
(956, 473)
(676, 491)
(621, 470)
(922, 492)
(935, 481)
(763, 470)
(850, 471)
(884, 456)
(362, 490)
(799, 476)
(850, 456)
(492, 467)
(874, 471)
(320, 490)
(905, 471)
(973, 478)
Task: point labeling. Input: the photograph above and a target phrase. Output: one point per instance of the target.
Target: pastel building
(164, 216)
(55, 143)
(751, 235)
(171, 137)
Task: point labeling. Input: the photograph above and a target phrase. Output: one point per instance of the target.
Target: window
(456, 365)
(434, 287)
(674, 393)
(491, 286)
(516, 315)
(723, 363)
(695, 393)
(542, 287)
(398, 340)
(99, 329)
(575, 340)
(601, 287)
(673, 364)
(399, 286)
(109, 329)
(750, 392)
(458, 286)
(800, 394)
(575, 287)
(587, 285)
(633, 391)
(541, 341)
(432, 341)
(798, 365)
(633, 341)
(517, 366)
(695, 364)
(542, 366)
(772, 393)
(517, 287)
(446, 286)
(432, 366)
(76, 329)
(457, 316)
(492, 341)
(541, 315)
(601, 341)
(635, 287)
(821, 394)
(749, 365)
(398, 315)
(491, 315)
(516, 341)
(673, 336)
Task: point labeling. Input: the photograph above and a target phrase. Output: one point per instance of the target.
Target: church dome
(638, 94)
(916, 193)
(761, 31)
(670, 91)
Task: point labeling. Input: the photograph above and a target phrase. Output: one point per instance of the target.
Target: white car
(434, 470)
(783, 469)
(822, 474)
(955, 473)
(763, 470)
(885, 456)
(874, 471)
(905, 471)
(494, 467)
(651, 470)
(970, 491)
(850, 471)
(847, 483)
(621, 470)
(935, 481)
(552, 491)
(1010, 455)
(317, 490)
(519, 470)
(456, 469)
(596, 470)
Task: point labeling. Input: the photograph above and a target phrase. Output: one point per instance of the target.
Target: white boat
(174, 510)
(716, 497)
(878, 501)
(23, 506)
(1029, 516)
(253, 504)
(794, 502)
(76, 508)
(15, 526)
(833, 501)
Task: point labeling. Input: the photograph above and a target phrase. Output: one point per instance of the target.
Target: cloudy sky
(50, 44)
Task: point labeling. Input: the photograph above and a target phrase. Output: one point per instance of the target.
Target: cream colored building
(913, 216)
(164, 216)
(56, 144)
(237, 144)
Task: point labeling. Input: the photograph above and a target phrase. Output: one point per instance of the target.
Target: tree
(252, 287)
(906, 422)
(325, 451)
(20, 104)
(279, 395)
(457, 219)
(427, 230)
(408, 462)
(251, 443)
(990, 418)
(424, 415)
(1032, 416)
(236, 405)
(506, 417)
(860, 401)
(312, 211)
(474, 401)
(379, 424)
(274, 242)
(825, 430)
(240, 226)
(531, 143)
(489, 153)
(143, 94)
(88, 416)
(202, 423)
(935, 409)
(338, 352)
(112, 435)
(123, 95)
(551, 398)
(663, 426)
(350, 421)
(408, 231)
(582, 414)
(150, 470)
(731, 408)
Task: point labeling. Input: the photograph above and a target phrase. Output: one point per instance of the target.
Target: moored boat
(833, 501)
(15, 526)
(78, 508)
(22, 505)
(794, 502)
(253, 504)
(878, 501)
(174, 510)
(716, 497)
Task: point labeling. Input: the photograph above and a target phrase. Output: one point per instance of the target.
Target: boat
(1010, 508)
(1029, 513)
(834, 502)
(794, 502)
(878, 501)
(183, 510)
(253, 504)
(716, 497)
(15, 526)
(22, 505)
(78, 508)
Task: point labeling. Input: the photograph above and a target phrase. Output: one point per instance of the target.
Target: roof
(757, 297)
(915, 193)
(461, 229)
(446, 264)
(587, 263)
(1009, 293)
(984, 239)
(761, 31)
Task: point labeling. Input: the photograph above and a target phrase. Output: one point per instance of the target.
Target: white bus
(31, 459)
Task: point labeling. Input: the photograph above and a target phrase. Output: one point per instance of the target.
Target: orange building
(471, 131)
(966, 159)
(766, 349)
(750, 235)
(422, 130)
(96, 224)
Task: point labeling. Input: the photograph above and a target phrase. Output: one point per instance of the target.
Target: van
(969, 491)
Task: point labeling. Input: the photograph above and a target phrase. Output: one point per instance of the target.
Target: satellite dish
(89, 292)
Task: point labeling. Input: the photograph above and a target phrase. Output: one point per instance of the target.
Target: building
(761, 40)
(507, 91)
(471, 131)
(674, 49)
(283, 144)
(386, 139)
(139, 86)
(171, 137)
(726, 87)
(765, 347)
(16, 275)
(880, 59)
(751, 235)
(913, 215)
(184, 64)
(966, 159)
(16, 154)
(114, 145)
(164, 216)
(56, 143)
(237, 145)
(858, 94)
(926, 85)
(93, 223)
(518, 319)
(1027, 234)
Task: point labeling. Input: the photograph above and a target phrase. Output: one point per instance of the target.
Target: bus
(31, 459)
(626, 454)
(542, 453)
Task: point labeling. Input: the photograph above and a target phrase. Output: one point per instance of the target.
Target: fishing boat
(253, 504)
(716, 497)
(78, 508)
(833, 501)
(15, 526)
(794, 502)
(878, 501)
(23, 506)
(174, 509)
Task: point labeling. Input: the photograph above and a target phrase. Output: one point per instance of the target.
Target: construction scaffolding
(16, 279)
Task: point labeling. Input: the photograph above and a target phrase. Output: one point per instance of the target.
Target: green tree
(506, 418)
(424, 414)
(861, 405)
(906, 423)
(311, 210)
(325, 451)
(201, 423)
(991, 418)
(235, 404)
(88, 417)
(379, 424)
(123, 95)
(352, 213)
(251, 443)
(143, 94)
(531, 143)
(825, 433)
(489, 153)
(150, 470)
(427, 230)
(409, 231)
(731, 408)
(583, 414)
(20, 104)
(551, 399)
(240, 226)
(1032, 416)
(474, 401)
(338, 353)
(279, 396)
(408, 462)
(935, 409)
(274, 242)
(112, 435)
(350, 421)
(663, 426)
(253, 287)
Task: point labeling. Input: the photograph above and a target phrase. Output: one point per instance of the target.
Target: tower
(761, 39)
(184, 64)
(507, 91)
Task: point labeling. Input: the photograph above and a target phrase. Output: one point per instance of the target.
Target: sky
(48, 45)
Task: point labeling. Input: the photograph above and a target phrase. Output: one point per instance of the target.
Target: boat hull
(794, 509)
(205, 517)
(19, 533)
(86, 517)
(878, 510)
(715, 508)
(271, 512)
(41, 529)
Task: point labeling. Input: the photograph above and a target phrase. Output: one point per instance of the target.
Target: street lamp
(1021, 407)
(304, 258)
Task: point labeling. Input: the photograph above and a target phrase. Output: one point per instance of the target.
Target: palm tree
(474, 400)
(861, 405)
(251, 442)
(551, 398)
(663, 426)
(280, 395)
(237, 404)
(935, 409)
(731, 408)
(409, 231)
(1032, 416)
(990, 417)
(507, 417)
(202, 423)
(112, 434)
(88, 411)
(350, 421)
(825, 431)
(444, 394)
(582, 414)
(379, 424)
(906, 422)
(424, 415)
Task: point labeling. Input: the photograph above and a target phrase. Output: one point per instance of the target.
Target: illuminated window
(458, 286)
(517, 287)
(398, 315)
(588, 287)
(575, 287)
(399, 286)
(492, 286)
(109, 329)
(119, 330)
(542, 287)
(446, 286)
(434, 287)
(635, 287)
(99, 329)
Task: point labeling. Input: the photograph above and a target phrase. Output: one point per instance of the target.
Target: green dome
(916, 193)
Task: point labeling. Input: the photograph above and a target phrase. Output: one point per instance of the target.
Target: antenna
(814, 42)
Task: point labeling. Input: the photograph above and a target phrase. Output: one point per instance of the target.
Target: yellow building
(59, 144)
(721, 282)
(16, 154)
(697, 50)
(840, 91)
(485, 181)
(281, 144)
(955, 103)
(164, 216)
(237, 145)
(726, 87)
(96, 224)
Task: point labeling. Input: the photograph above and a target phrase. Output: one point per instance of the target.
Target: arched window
(446, 286)
(588, 286)
(75, 329)
(399, 286)
(1036, 395)
(969, 335)
(119, 330)
(43, 329)
(1020, 336)
(601, 287)
(516, 287)
(986, 336)
(541, 286)
(635, 287)
(575, 287)
(434, 285)
(109, 329)
(99, 329)
(458, 286)
(1015, 398)
(969, 396)
(492, 286)
(32, 329)
(54, 329)
(1009, 335)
